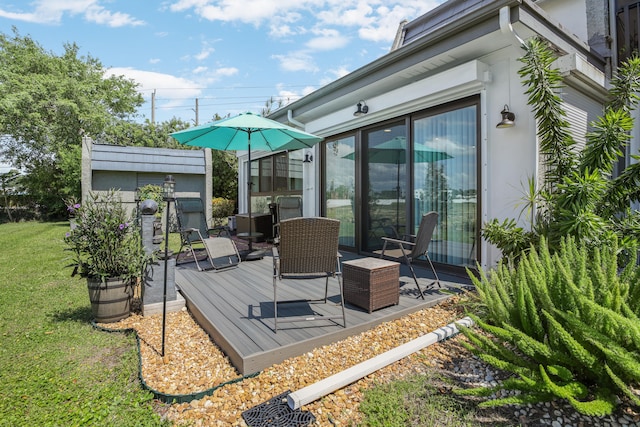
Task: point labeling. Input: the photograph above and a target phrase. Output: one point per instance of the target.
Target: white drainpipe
(505, 23)
(315, 391)
(294, 121)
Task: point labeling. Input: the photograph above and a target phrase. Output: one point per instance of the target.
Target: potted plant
(107, 249)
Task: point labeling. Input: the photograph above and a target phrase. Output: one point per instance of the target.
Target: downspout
(294, 121)
(308, 202)
(505, 23)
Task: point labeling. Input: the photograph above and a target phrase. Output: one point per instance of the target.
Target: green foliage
(577, 196)
(57, 370)
(152, 192)
(562, 323)
(416, 401)
(105, 242)
(47, 103)
(221, 209)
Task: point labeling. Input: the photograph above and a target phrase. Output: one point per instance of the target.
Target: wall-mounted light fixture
(308, 158)
(508, 118)
(362, 109)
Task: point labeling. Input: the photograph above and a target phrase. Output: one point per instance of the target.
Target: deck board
(235, 307)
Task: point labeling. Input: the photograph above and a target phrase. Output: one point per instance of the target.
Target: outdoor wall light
(169, 189)
(308, 158)
(362, 109)
(508, 118)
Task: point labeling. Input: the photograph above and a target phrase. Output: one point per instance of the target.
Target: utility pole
(197, 113)
(153, 106)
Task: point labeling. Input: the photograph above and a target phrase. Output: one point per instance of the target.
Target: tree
(147, 134)
(9, 183)
(578, 196)
(47, 103)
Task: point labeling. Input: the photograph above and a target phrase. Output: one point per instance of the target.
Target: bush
(222, 208)
(153, 192)
(567, 325)
(105, 241)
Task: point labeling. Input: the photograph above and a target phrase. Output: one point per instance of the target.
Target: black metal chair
(413, 247)
(216, 243)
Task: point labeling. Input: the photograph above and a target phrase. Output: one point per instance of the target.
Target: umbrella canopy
(247, 131)
(394, 152)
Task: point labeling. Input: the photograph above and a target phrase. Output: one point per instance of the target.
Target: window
(273, 176)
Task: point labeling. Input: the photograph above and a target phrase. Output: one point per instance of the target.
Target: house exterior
(433, 103)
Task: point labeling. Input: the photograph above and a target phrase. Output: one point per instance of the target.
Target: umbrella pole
(398, 200)
(249, 190)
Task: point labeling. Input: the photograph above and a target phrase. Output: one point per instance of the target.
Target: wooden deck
(235, 307)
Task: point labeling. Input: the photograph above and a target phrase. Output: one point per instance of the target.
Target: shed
(106, 167)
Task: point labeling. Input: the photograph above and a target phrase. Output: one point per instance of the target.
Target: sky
(230, 55)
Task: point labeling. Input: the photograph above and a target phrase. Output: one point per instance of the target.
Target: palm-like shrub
(577, 195)
(566, 325)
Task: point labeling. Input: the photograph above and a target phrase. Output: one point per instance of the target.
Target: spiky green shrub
(565, 324)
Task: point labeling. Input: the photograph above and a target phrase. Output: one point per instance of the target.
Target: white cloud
(249, 11)
(154, 60)
(199, 70)
(204, 53)
(170, 88)
(52, 12)
(296, 61)
(328, 39)
(227, 71)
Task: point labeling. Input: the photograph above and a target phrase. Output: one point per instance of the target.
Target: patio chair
(197, 237)
(286, 208)
(308, 250)
(413, 247)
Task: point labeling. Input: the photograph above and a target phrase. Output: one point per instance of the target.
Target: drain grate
(276, 413)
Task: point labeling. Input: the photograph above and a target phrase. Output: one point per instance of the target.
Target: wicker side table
(371, 283)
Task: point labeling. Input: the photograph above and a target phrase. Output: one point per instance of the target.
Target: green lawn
(55, 368)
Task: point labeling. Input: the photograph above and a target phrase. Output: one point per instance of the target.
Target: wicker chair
(414, 247)
(308, 250)
(216, 242)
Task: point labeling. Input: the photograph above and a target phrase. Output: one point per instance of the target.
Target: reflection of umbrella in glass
(394, 152)
(244, 132)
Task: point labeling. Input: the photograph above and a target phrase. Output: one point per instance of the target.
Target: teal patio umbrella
(394, 152)
(246, 131)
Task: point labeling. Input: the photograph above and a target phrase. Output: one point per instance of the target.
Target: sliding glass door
(448, 184)
(340, 186)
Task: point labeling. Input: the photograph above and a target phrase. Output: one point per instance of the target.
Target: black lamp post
(168, 195)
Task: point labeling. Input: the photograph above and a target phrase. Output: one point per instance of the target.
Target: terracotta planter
(110, 300)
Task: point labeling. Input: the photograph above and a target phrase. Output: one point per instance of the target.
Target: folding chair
(414, 247)
(219, 248)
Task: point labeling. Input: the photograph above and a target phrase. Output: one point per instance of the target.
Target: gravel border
(193, 363)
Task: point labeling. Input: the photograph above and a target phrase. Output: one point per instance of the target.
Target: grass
(55, 368)
(423, 400)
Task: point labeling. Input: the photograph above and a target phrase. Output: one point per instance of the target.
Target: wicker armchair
(414, 247)
(308, 250)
